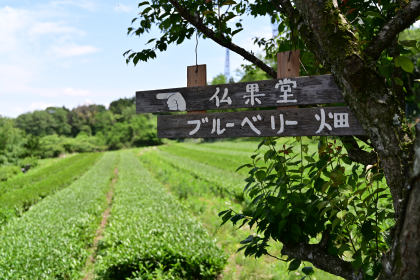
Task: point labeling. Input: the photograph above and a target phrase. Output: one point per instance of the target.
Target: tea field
(148, 213)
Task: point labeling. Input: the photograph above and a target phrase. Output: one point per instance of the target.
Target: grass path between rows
(89, 270)
(52, 240)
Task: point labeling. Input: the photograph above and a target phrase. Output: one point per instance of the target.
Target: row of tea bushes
(50, 241)
(151, 235)
(182, 184)
(228, 183)
(38, 175)
(14, 202)
(228, 160)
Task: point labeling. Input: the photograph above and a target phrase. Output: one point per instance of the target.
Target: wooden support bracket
(288, 66)
(196, 76)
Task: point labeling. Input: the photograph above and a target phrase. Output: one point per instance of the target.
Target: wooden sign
(268, 123)
(268, 93)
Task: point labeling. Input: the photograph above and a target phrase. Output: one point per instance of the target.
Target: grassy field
(147, 213)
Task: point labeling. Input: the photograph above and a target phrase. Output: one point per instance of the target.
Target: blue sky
(69, 53)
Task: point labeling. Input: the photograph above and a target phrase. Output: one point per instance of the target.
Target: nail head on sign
(195, 80)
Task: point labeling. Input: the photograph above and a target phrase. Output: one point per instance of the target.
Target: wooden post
(288, 66)
(196, 76)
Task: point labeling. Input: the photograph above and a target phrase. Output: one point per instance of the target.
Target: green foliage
(183, 184)
(18, 197)
(12, 143)
(297, 197)
(38, 175)
(151, 234)
(117, 107)
(218, 80)
(7, 172)
(227, 184)
(93, 128)
(52, 120)
(51, 240)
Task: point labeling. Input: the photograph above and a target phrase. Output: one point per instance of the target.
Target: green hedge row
(38, 175)
(227, 160)
(14, 202)
(228, 183)
(183, 184)
(151, 235)
(51, 240)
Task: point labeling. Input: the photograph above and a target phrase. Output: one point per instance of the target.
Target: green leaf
(408, 43)
(237, 31)
(245, 165)
(308, 270)
(294, 265)
(143, 3)
(398, 81)
(374, 14)
(295, 229)
(281, 224)
(325, 186)
(224, 212)
(260, 174)
(386, 70)
(368, 269)
(319, 183)
(403, 62)
(309, 159)
(367, 231)
(343, 248)
(336, 222)
(226, 217)
(357, 261)
(247, 240)
(341, 214)
(322, 204)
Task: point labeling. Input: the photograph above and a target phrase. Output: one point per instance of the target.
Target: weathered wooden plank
(288, 66)
(288, 122)
(271, 93)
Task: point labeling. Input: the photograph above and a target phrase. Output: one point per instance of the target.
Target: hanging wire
(196, 46)
(304, 68)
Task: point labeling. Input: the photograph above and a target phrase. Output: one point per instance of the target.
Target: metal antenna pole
(227, 66)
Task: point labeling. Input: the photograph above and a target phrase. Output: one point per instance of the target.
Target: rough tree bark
(403, 262)
(378, 108)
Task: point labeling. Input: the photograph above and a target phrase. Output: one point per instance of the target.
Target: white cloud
(52, 27)
(87, 102)
(39, 106)
(72, 92)
(73, 50)
(121, 8)
(84, 4)
(12, 21)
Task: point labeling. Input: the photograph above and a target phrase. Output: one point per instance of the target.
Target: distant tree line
(87, 128)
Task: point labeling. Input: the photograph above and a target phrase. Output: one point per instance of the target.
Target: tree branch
(223, 41)
(402, 20)
(317, 254)
(358, 155)
(283, 6)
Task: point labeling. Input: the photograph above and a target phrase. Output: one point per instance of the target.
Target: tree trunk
(377, 107)
(403, 262)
